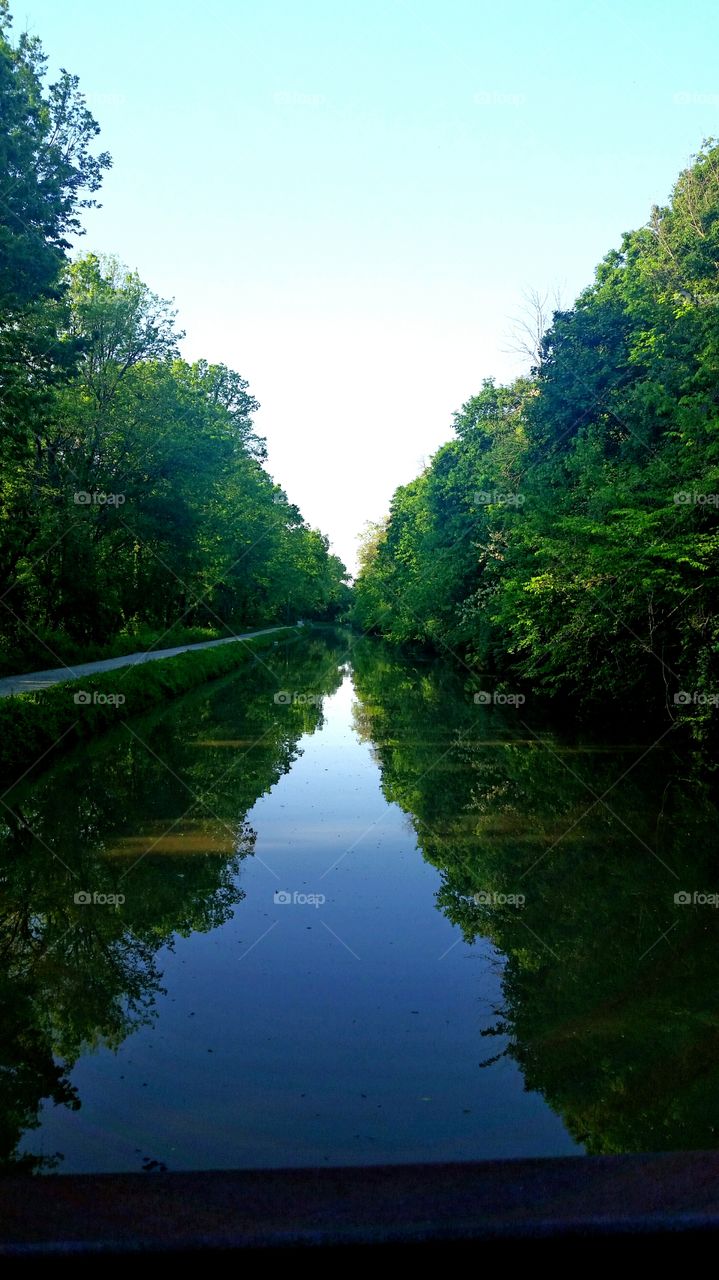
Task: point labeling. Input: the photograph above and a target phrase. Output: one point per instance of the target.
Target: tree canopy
(134, 501)
(567, 536)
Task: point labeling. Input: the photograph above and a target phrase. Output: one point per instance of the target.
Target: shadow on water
(118, 850)
(572, 858)
(593, 871)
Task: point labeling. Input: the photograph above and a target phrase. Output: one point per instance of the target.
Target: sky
(349, 200)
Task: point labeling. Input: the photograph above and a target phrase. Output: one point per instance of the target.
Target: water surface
(359, 918)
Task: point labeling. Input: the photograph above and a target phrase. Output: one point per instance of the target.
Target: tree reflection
(610, 986)
(153, 815)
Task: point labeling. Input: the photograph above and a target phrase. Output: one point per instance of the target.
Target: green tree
(49, 170)
(590, 570)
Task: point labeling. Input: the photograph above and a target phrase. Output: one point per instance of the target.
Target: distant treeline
(133, 496)
(567, 537)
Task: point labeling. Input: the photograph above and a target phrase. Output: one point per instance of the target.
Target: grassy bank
(49, 649)
(37, 725)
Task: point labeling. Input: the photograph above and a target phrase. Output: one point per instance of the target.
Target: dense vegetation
(133, 496)
(34, 724)
(607, 984)
(567, 537)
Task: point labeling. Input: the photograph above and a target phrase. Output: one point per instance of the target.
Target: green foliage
(132, 487)
(608, 1000)
(159, 815)
(139, 495)
(49, 171)
(33, 724)
(589, 564)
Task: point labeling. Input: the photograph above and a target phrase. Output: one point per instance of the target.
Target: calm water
(365, 920)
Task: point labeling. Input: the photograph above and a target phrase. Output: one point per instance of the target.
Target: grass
(48, 649)
(33, 726)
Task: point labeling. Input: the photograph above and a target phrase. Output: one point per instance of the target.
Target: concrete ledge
(396, 1208)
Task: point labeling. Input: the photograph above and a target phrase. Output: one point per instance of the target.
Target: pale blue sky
(346, 200)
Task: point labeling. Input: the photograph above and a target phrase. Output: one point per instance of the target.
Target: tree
(49, 170)
(591, 567)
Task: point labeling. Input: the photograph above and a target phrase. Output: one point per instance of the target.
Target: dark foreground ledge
(388, 1209)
